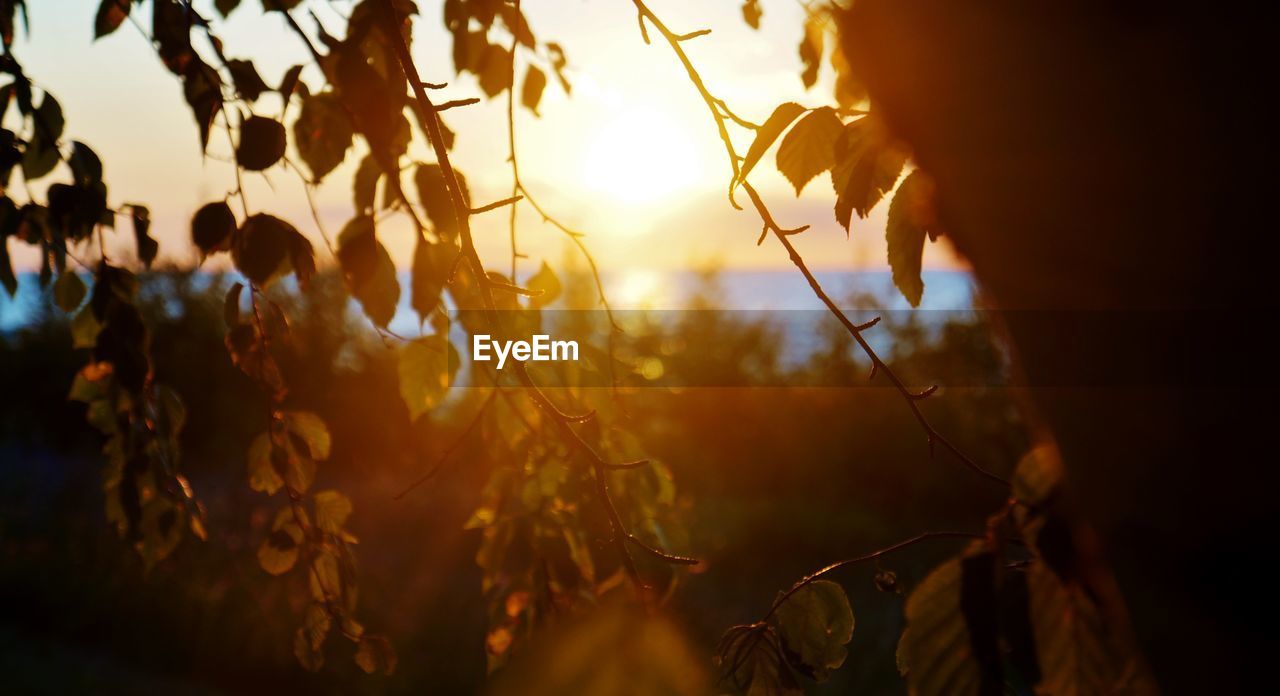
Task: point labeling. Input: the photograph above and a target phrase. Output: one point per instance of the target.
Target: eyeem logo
(541, 349)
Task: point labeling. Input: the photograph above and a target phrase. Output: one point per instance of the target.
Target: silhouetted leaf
(558, 64)
(434, 196)
(332, 511)
(751, 13)
(934, 653)
(364, 186)
(811, 47)
(263, 248)
(432, 262)
(86, 167)
(809, 148)
(146, 246)
(535, 81)
(322, 133)
(769, 132)
(289, 83)
(280, 5)
(202, 88)
(546, 281)
(375, 654)
(212, 227)
(42, 155)
(905, 234)
(262, 143)
(426, 369)
(111, 14)
(171, 31)
(248, 82)
(225, 7)
(231, 305)
(69, 291)
(815, 623)
(867, 167)
(370, 273)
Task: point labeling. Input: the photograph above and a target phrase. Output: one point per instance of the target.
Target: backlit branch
(721, 115)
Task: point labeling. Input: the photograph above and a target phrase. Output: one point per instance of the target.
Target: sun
(640, 158)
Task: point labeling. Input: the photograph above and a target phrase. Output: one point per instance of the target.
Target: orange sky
(631, 158)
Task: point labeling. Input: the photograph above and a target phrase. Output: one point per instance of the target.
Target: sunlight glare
(640, 157)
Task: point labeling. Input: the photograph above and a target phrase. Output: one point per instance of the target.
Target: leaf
(811, 45)
(202, 88)
(325, 578)
(535, 81)
(322, 133)
(263, 248)
(778, 121)
(1078, 652)
(496, 75)
(262, 143)
(546, 281)
(370, 273)
(212, 227)
(751, 13)
(432, 262)
(558, 64)
(375, 654)
(905, 236)
(84, 329)
(147, 246)
(111, 14)
(41, 155)
(245, 77)
(434, 196)
(86, 167)
(751, 662)
(809, 149)
(1038, 476)
(364, 186)
(279, 551)
(518, 25)
(934, 653)
(69, 291)
(311, 659)
(815, 623)
(867, 167)
(231, 305)
(426, 368)
(296, 466)
(262, 471)
(332, 511)
(226, 6)
(289, 83)
(311, 429)
(316, 623)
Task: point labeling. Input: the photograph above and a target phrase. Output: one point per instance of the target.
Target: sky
(631, 158)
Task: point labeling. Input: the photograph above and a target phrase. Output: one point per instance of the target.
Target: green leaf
(370, 273)
(535, 81)
(815, 623)
(245, 77)
(809, 149)
(546, 281)
(111, 14)
(905, 235)
(262, 470)
(332, 511)
(212, 227)
(769, 132)
(311, 429)
(322, 133)
(375, 654)
(934, 653)
(262, 143)
(426, 367)
(68, 291)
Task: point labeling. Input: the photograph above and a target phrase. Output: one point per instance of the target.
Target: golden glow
(640, 157)
(639, 289)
